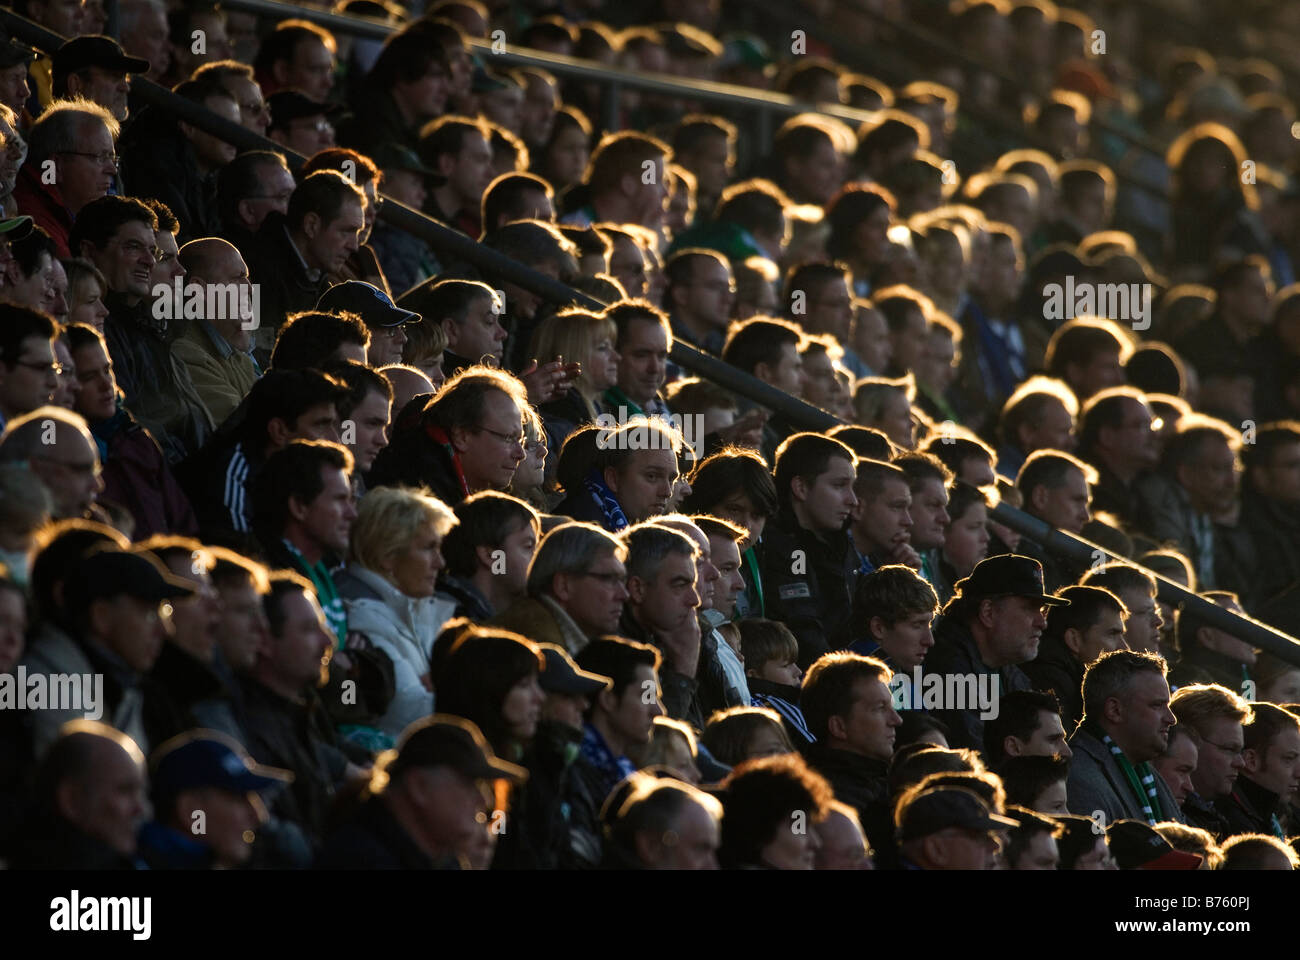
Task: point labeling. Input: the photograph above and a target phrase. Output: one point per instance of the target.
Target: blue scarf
(614, 517)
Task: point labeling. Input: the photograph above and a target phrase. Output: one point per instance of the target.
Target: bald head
(407, 382)
(216, 266)
(93, 777)
(57, 446)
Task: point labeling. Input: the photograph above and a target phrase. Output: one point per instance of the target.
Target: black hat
(206, 758)
(444, 740)
(562, 675)
(367, 301)
(95, 50)
(110, 573)
(1137, 846)
(1007, 575)
(12, 52)
(942, 808)
(394, 156)
(483, 80)
(290, 105)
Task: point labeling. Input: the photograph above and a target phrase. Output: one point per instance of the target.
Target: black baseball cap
(394, 156)
(1008, 575)
(207, 758)
(12, 52)
(110, 573)
(1138, 846)
(562, 675)
(943, 808)
(446, 741)
(290, 105)
(367, 301)
(95, 50)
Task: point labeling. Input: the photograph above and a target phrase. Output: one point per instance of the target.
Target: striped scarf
(1142, 780)
(614, 517)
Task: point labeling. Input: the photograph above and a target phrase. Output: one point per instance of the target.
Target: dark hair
(294, 471)
(806, 455)
(1104, 410)
(240, 179)
(759, 340)
(1078, 342)
(481, 668)
(323, 193)
(828, 687)
(1047, 468)
(18, 324)
(922, 467)
(504, 197)
(763, 640)
(1155, 368)
(486, 519)
(1268, 722)
(359, 381)
(286, 395)
(436, 300)
(1080, 836)
(621, 154)
(282, 583)
(892, 593)
(1118, 577)
(1030, 824)
(99, 220)
(405, 57)
(311, 338)
(1018, 716)
(955, 451)
(445, 136)
(1188, 623)
(282, 43)
(867, 442)
(167, 222)
(1024, 778)
(1111, 672)
(913, 763)
(356, 167)
(27, 251)
(1087, 604)
(732, 470)
(854, 203)
(758, 798)
(617, 659)
(756, 205)
(60, 547)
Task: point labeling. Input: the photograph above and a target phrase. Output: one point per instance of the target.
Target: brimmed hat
(1137, 846)
(943, 808)
(1007, 575)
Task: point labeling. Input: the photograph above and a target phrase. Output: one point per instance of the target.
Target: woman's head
(769, 808)
(490, 677)
(584, 337)
(398, 534)
(745, 733)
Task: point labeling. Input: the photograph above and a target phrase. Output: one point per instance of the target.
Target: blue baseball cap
(367, 301)
(208, 758)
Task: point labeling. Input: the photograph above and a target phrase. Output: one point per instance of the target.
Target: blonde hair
(573, 334)
(390, 518)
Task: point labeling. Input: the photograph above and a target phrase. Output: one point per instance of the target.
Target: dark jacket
(176, 683)
(158, 162)
(49, 842)
(579, 504)
(1251, 809)
(219, 481)
(157, 385)
(956, 652)
(286, 283)
(375, 119)
(1274, 529)
(1056, 669)
(1199, 665)
(138, 478)
(297, 737)
(1111, 494)
(415, 459)
(861, 782)
(807, 591)
(1202, 813)
(406, 260)
(372, 839)
(1096, 782)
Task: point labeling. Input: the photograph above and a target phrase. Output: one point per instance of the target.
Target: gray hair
(650, 543)
(1110, 675)
(60, 128)
(569, 548)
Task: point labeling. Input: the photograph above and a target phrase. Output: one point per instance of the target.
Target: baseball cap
(366, 300)
(95, 50)
(12, 52)
(110, 573)
(942, 808)
(394, 156)
(15, 228)
(1137, 846)
(562, 675)
(290, 105)
(1008, 575)
(483, 80)
(208, 758)
(443, 740)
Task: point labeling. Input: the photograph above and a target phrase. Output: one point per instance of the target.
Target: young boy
(770, 652)
(892, 611)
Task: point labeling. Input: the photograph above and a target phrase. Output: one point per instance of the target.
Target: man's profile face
(1142, 628)
(491, 454)
(929, 512)
(869, 726)
(828, 501)
(328, 519)
(109, 802)
(1177, 766)
(1018, 624)
(301, 647)
(1219, 761)
(669, 599)
(1145, 716)
(1277, 767)
(86, 174)
(127, 259)
(338, 239)
(643, 359)
(884, 521)
(698, 837)
(1041, 854)
(635, 711)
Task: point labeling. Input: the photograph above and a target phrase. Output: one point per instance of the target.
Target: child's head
(770, 651)
(731, 633)
(745, 733)
(895, 605)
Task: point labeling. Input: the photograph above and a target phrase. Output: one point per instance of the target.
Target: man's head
(28, 367)
(768, 349)
(1055, 489)
(643, 339)
(661, 576)
(480, 412)
(386, 322)
(843, 844)
(250, 187)
(415, 74)
(626, 177)
(580, 567)
(300, 123)
(196, 619)
(119, 235)
(895, 608)
(1272, 462)
(313, 339)
(848, 705)
(469, 313)
(928, 481)
(241, 584)
(1116, 428)
(93, 780)
(638, 462)
(1088, 354)
(883, 519)
(1214, 717)
(298, 55)
(1031, 844)
(1125, 692)
(1004, 606)
(517, 196)
(96, 69)
(1177, 764)
(761, 826)
(495, 534)
(1028, 724)
(1091, 625)
(947, 828)
(365, 412)
(142, 25)
(1136, 589)
(700, 288)
(287, 405)
(217, 266)
(1039, 415)
(807, 155)
(458, 149)
(236, 78)
(725, 539)
(814, 481)
(296, 657)
(628, 708)
(1195, 636)
(304, 494)
(211, 153)
(1202, 457)
(668, 825)
(1272, 754)
(79, 137)
(326, 216)
(68, 467)
(706, 146)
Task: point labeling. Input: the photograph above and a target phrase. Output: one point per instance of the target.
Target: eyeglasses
(608, 579)
(1231, 749)
(54, 367)
(320, 126)
(520, 439)
(100, 158)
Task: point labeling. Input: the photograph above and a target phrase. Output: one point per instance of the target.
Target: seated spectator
(966, 541)
(842, 843)
(772, 674)
(236, 78)
(1138, 846)
(1039, 415)
(1125, 726)
(1056, 488)
(881, 524)
(407, 86)
(1028, 724)
(643, 338)
(363, 414)
(894, 608)
(768, 349)
(1212, 654)
(388, 587)
(673, 750)
(86, 290)
(1257, 852)
(737, 734)
(1116, 437)
(1081, 847)
(406, 259)
(1136, 590)
(89, 803)
(928, 481)
(1177, 764)
(314, 340)
(469, 314)
(561, 606)
(428, 814)
(28, 366)
(1192, 840)
(205, 773)
(68, 469)
(587, 338)
(632, 478)
(359, 170)
(249, 188)
(1031, 844)
(1036, 783)
(665, 825)
(457, 148)
(1074, 637)
(1265, 789)
(947, 828)
(615, 188)
(488, 554)
(770, 807)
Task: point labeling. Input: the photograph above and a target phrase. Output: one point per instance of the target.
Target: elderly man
(68, 468)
